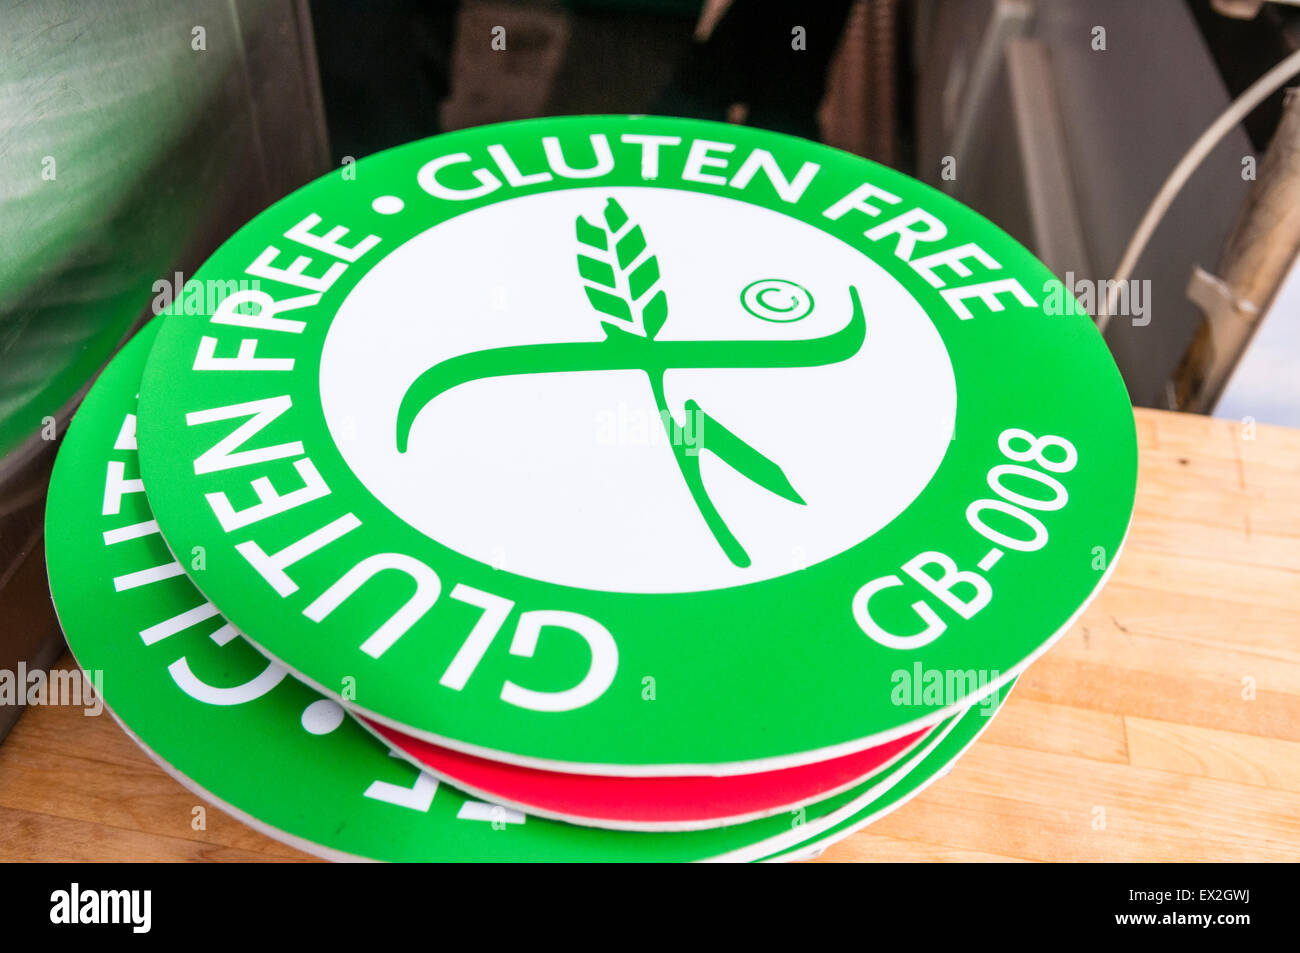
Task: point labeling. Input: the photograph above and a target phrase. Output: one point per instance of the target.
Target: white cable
(1241, 107)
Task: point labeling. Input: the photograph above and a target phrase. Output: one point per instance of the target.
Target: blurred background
(135, 136)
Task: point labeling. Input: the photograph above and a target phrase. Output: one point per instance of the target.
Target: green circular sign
(195, 694)
(482, 438)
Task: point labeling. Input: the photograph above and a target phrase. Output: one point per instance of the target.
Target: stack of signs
(609, 488)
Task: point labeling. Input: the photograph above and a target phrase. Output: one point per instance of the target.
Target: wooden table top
(1164, 726)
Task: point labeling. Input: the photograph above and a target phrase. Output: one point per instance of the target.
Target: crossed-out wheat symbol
(622, 282)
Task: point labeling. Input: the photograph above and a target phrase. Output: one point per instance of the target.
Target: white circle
(388, 205)
(568, 477)
(322, 716)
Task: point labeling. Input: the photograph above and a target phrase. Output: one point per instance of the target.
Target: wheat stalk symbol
(617, 283)
(622, 282)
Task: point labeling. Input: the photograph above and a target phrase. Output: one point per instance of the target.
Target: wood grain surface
(1164, 726)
